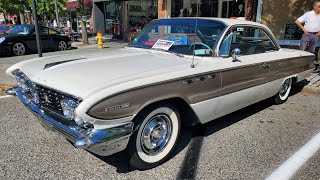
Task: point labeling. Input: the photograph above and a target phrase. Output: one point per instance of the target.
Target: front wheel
(284, 91)
(155, 136)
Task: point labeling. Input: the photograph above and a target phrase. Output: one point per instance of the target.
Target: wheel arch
(22, 42)
(188, 116)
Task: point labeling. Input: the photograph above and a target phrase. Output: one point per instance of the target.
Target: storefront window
(111, 21)
(206, 8)
(138, 14)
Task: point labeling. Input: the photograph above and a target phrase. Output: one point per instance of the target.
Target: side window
(43, 31)
(52, 32)
(250, 40)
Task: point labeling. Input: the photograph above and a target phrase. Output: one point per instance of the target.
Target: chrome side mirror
(236, 54)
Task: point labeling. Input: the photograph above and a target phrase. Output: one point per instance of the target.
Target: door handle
(189, 81)
(211, 76)
(265, 65)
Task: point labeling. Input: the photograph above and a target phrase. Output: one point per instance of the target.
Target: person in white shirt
(310, 24)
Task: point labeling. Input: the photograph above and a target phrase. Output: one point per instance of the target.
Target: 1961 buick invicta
(175, 72)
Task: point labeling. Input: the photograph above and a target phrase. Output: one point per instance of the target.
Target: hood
(82, 75)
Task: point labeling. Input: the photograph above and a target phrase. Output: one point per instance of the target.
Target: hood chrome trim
(47, 66)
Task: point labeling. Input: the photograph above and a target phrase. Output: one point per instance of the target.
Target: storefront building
(277, 14)
(123, 19)
(73, 7)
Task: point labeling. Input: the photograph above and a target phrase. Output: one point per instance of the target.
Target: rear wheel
(156, 135)
(284, 91)
(18, 49)
(62, 46)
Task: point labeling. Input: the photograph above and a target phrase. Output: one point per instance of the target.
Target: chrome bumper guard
(102, 142)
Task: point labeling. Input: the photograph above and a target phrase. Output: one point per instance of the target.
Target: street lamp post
(34, 10)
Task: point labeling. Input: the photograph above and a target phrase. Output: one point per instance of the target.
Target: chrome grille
(50, 99)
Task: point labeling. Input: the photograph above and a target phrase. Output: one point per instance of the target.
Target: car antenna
(194, 46)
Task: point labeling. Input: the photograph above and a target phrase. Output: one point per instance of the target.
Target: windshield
(4, 28)
(20, 29)
(177, 35)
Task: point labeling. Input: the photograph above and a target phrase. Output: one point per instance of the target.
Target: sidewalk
(107, 43)
(314, 83)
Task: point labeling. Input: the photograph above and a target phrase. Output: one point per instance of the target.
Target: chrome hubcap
(284, 88)
(156, 134)
(62, 45)
(19, 49)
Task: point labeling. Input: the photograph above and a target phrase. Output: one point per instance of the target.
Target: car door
(54, 38)
(45, 39)
(244, 77)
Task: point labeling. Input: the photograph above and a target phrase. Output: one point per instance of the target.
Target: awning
(72, 5)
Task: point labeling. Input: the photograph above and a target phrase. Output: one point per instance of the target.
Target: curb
(311, 89)
(6, 96)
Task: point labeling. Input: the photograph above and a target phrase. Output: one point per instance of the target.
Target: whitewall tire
(156, 134)
(284, 91)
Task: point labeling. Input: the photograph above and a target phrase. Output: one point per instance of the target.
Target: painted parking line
(6, 96)
(297, 160)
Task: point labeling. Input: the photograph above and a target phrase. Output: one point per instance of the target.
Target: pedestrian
(310, 24)
(55, 24)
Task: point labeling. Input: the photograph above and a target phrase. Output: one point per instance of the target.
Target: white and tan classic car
(175, 72)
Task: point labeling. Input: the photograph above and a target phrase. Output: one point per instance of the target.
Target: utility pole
(57, 15)
(259, 11)
(34, 10)
(220, 5)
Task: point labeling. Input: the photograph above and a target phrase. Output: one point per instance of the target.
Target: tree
(46, 7)
(14, 7)
(83, 23)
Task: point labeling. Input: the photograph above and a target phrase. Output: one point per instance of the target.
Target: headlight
(35, 94)
(24, 85)
(68, 107)
(2, 39)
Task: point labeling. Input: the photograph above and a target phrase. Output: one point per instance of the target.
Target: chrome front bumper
(102, 142)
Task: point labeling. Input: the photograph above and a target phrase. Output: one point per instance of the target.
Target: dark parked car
(22, 39)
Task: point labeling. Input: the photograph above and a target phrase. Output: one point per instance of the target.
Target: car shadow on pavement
(193, 137)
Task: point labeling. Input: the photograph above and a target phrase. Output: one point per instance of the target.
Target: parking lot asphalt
(248, 144)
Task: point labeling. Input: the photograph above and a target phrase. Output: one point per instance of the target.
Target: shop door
(110, 13)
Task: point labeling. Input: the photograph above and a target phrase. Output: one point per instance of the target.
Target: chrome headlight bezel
(29, 88)
(68, 107)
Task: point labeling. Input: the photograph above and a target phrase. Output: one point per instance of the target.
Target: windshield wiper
(136, 46)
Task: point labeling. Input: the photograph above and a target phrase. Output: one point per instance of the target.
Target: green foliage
(47, 7)
(13, 6)
(44, 7)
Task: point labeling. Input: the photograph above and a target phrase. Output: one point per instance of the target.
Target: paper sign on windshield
(163, 44)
